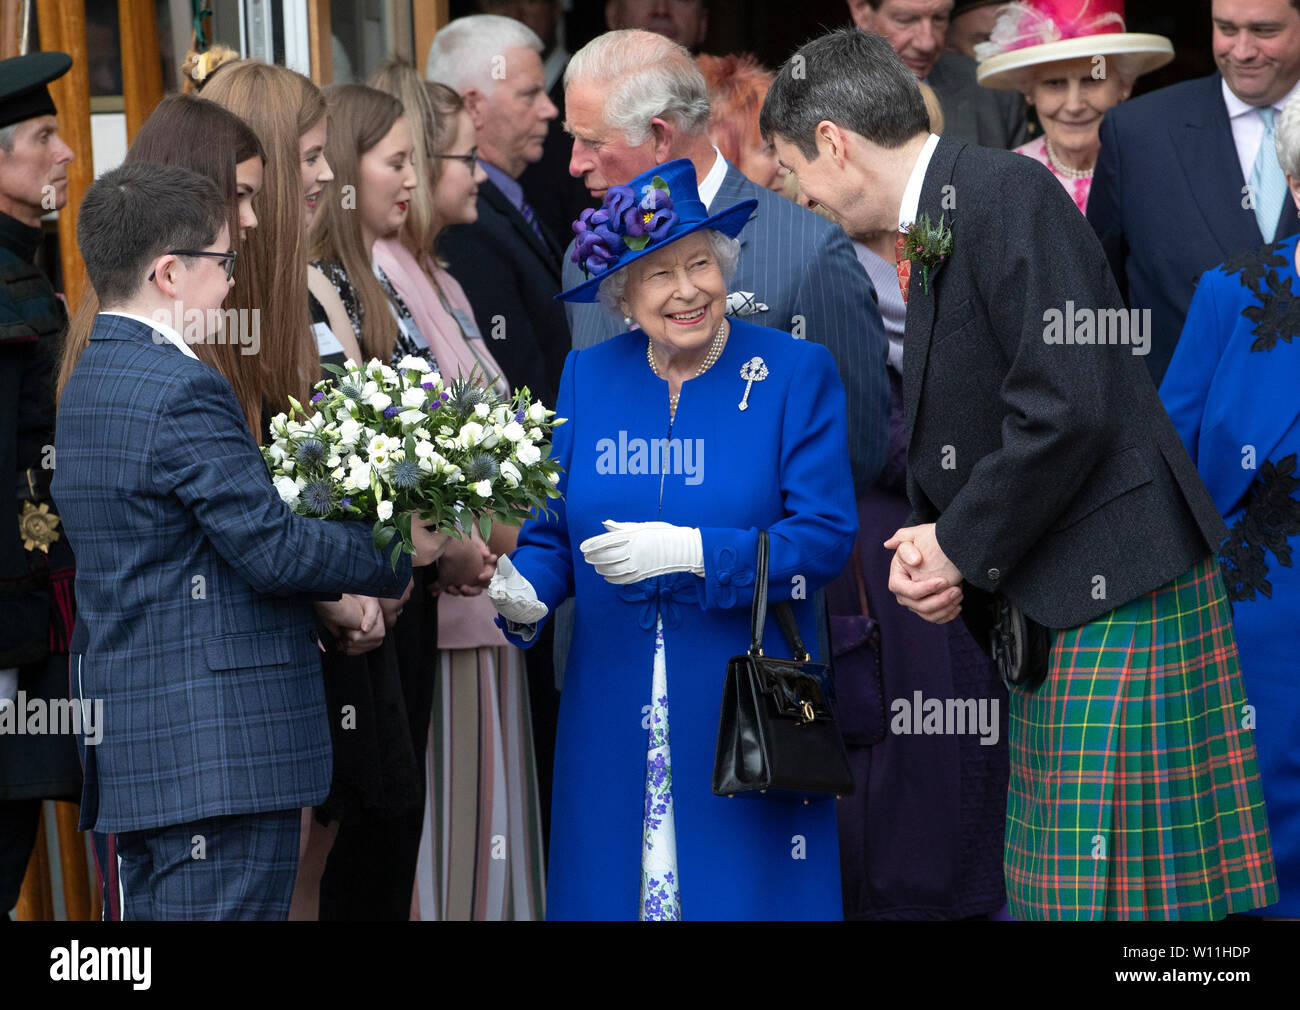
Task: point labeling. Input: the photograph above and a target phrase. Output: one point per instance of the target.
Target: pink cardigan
(464, 622)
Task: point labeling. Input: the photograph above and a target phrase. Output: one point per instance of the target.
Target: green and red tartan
(1134, 787)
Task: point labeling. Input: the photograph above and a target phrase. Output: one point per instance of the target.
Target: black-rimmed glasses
(468, 159)
(229, 257)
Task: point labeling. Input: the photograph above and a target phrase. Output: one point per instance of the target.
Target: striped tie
(1267, 180)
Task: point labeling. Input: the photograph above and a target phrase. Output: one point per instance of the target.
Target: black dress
(380, 704)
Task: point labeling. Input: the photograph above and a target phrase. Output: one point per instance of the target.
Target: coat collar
(21, 239)
(920, 305)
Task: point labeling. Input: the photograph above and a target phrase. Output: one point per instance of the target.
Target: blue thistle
(465, 396)
(318, 496)
(406, 475)
(310, 451)
(351, 390)
(481, 467)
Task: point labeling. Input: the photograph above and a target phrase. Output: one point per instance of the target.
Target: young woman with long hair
(493, 792)
(200, 135)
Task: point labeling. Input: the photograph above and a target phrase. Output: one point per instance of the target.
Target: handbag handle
(758, 611)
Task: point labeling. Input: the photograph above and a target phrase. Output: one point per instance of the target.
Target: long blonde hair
(360, 117)
(271, 272)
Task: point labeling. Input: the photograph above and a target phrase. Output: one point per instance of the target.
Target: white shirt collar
(712, 182)
(912, 194)
(1238, 108)
(160, 330)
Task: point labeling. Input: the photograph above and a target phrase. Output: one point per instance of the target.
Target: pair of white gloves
(628, 553)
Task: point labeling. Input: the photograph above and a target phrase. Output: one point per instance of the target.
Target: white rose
(513, 431)
(288, 490)
(276, 451)
(387, 373)
(412, 415)
(287, 465)
(379, 401)
(554, 478)
(279, 422)
(537, 413)
(349, 432)
(333, 461)
(492, 437)
(337, 473)
(481, 410)
(535, 434)
(384, 510)
(414, 397)
(471, 434)
(510, 473)
(527, 453)
(483, 489)
(411, 363)
(427, 465)
(423, 449)
(422, 433)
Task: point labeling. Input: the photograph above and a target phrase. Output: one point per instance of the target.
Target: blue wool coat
(781, 465)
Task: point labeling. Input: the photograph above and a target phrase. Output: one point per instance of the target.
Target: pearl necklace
(1069, 173)
(715, 350)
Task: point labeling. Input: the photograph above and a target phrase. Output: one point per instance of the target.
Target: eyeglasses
(229, 257)
(468, 159)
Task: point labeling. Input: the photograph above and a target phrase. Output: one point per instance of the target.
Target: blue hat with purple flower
(659, 206)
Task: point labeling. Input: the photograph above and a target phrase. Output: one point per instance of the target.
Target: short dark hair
(851, 78)
(137, 212)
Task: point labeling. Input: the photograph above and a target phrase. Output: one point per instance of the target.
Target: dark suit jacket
(986, 116)
(803, 268)
(191, 575)
(510, 277)
(1167, 202)
(1044, 465)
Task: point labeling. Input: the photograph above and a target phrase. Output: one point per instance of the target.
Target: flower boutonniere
(927, 245)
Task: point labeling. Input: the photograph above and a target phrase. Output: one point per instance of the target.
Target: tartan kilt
(1134, 787)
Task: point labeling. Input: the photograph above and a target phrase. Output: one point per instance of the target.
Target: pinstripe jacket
(191, 588)
(803, 268)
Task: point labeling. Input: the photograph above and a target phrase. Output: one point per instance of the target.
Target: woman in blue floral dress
(685, 437)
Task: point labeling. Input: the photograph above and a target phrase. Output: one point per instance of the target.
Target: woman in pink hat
(1073, 60)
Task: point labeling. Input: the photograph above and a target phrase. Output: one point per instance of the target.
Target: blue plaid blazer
(803, 268)
(193, 592)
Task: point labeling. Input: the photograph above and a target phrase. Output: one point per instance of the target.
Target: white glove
(514, 596)
(630, 552)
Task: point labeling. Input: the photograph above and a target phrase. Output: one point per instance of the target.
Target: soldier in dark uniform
(36, 567)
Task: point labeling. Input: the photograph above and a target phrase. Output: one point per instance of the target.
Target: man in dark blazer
(1173, 194)
(797, 271)
(917, 29)
(194, 579)
(507, 261)
(1042, 470)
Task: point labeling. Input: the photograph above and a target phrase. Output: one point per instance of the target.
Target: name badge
(326, 342)
(467, 324)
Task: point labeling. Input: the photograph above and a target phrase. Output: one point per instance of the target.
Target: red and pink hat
(1030, 33)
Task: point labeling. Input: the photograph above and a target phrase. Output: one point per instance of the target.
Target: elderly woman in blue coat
(686, 435)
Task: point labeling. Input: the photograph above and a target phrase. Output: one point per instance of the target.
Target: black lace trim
(1272, 515)
(1277, 317)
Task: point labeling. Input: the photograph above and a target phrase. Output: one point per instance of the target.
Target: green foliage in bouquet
(380, 443)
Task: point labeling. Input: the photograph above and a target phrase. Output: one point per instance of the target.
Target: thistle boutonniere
(927, 245)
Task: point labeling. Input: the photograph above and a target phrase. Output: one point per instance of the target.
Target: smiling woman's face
(677, 295)
(315, 169)
(1071, 103)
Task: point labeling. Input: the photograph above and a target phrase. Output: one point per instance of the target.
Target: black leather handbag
(777, 736)
(1020, 647)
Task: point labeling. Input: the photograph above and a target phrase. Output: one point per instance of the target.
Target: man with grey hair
(635, 99)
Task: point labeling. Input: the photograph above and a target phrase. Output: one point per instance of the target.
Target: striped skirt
(481, 852)
(1134, 787)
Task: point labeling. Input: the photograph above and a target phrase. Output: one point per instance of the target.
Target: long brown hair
(271, 272)
(200, 135)
(360, 117)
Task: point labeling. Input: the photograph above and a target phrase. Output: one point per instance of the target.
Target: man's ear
(662, 135)
(832, 141)
(165, 276)
(476, 106)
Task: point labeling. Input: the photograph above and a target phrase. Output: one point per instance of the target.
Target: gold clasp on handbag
(806, 714)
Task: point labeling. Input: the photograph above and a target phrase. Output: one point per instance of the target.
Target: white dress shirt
(160, 329)
(1248, 127)
(916, 181)
(712, 182)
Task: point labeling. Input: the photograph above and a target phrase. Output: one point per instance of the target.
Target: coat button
(994, 575)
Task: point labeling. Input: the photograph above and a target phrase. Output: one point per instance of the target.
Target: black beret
(23, 94)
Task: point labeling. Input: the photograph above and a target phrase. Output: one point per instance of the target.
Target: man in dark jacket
(36, 605)
(1045, 478)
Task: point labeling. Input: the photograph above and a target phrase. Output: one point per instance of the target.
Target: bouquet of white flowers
(380, 443)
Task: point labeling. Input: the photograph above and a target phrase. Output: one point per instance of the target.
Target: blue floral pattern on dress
(661, 896)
